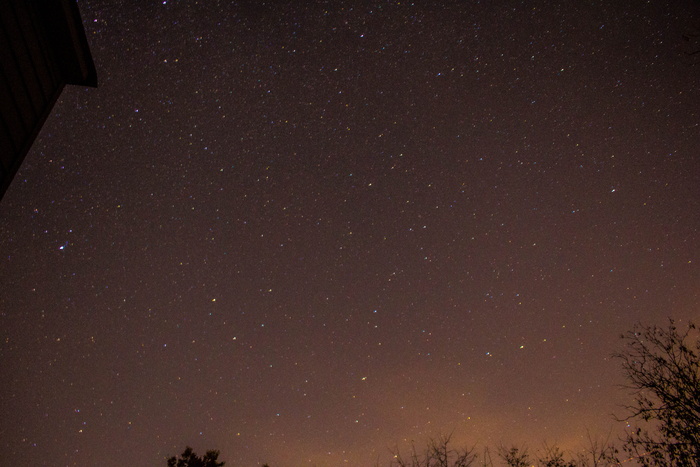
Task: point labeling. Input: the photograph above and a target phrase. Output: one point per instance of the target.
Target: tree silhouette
(553, 456)
(189, 459)
(662, 367)
(438, 453)
(514, 456)
(598, 453)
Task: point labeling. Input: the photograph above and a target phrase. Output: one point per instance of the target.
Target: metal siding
(42, 65)
(10, 112)
(23, 61)
(18, 122)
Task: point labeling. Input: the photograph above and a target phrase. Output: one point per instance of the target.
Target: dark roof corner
(43, 47)
(62, 20)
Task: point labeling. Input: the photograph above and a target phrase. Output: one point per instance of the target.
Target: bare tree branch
(662, 366)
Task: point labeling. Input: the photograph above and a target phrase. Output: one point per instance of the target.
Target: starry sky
(304, 233)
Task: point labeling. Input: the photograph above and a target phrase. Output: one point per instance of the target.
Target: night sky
(303, 233)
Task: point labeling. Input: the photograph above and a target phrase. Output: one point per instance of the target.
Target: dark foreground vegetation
(189, 459)
(662, 372)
